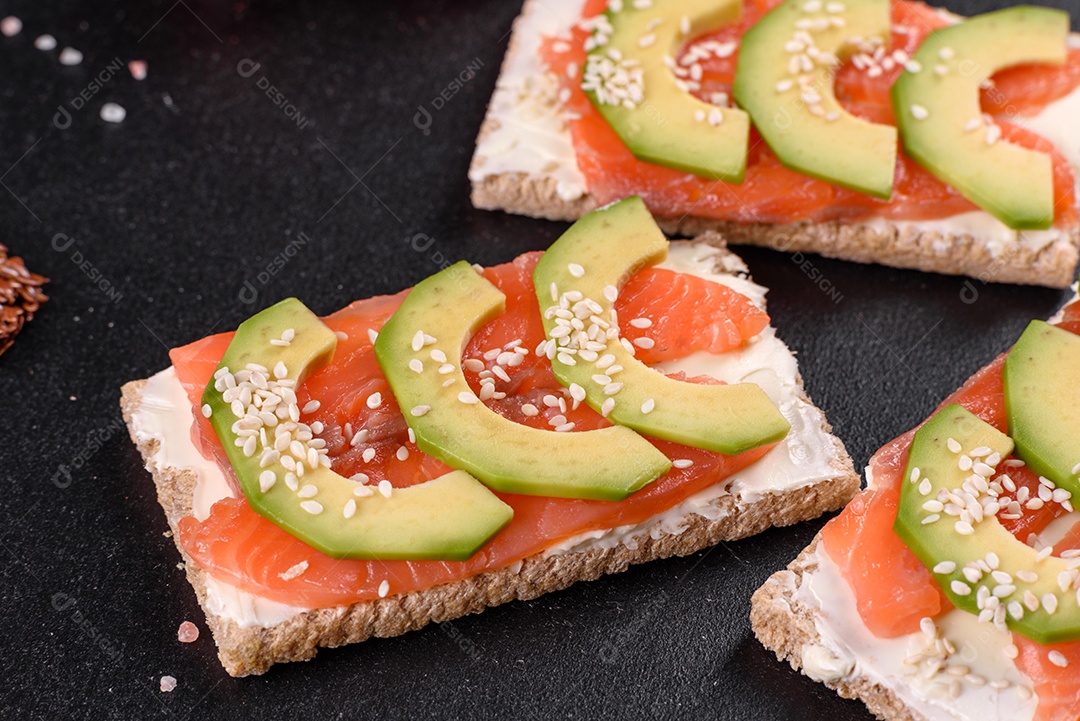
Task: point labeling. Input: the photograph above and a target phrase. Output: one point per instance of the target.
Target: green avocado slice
(1042, 402)
(631, 81)
(968, 557)
(580, 275)
(448, 518)
(439, 316)
(784, 79)
(937, 108)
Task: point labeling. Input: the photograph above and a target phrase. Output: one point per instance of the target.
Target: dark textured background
(205, 182)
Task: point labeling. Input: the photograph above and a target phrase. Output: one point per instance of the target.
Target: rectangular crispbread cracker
(1049, 262)
(252, 650)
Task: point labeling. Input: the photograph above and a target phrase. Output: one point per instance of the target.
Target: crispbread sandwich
(875, 131)
(485, 437)
(950, 587)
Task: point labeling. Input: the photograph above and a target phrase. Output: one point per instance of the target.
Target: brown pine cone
(20, 296)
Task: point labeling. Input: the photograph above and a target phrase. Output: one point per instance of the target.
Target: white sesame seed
(607, 407)
(577, 392)
(641, 322)
(373, 401)
(1058, 658)
(312, 507)
(1050, 603)
(576, 270)
(350, 508)
(644, 343)
(385, 488)
(311, 406)
(416, 365)
(1015, 610)
(945, 567)
(925, 487)
(932, 518)
(45, 42)
(418, 411)
(954, 445)
(267, 479)
(308, 491)
(1012, 651)
(369, 454)
(1031, 601)
(960, 588)
(206, 410)
(468, 397)
(963, 528)
(384, 589)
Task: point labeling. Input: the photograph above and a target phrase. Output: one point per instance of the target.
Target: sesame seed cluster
(936, 660)
(997, 592)
(268, 424)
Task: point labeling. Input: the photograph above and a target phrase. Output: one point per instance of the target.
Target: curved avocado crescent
(447, 518)
(439, 315)
(588, 265)
(784, 79)
(630, 79)
(941, 121)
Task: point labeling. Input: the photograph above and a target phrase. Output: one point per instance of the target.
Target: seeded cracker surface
(20, 296)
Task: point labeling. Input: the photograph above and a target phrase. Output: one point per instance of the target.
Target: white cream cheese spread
(848, 649)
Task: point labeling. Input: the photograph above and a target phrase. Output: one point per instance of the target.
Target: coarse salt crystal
(70, 56)
(113, 113)
(187, 633)
(10, 26)
(168, 683)
(137, 68)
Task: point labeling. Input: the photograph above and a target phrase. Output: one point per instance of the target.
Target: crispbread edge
(252, 650)
(784, 626)
(886, 242)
